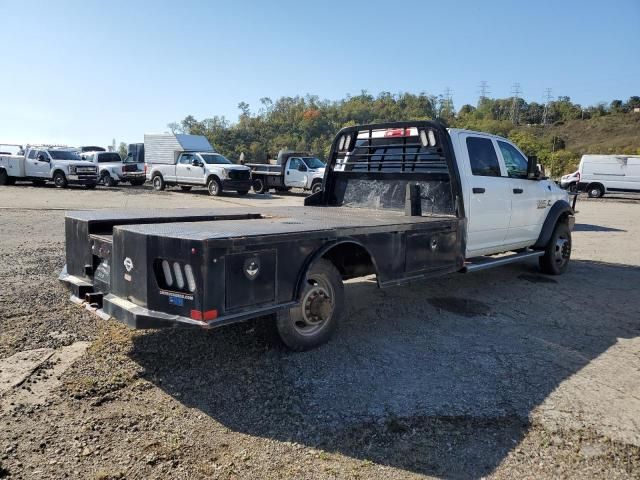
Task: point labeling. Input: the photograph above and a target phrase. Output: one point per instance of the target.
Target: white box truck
(190, 161)
(600, 174)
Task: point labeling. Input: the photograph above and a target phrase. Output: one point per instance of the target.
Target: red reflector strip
(204, 316)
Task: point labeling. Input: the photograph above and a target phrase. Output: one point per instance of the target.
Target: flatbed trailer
(392, 205)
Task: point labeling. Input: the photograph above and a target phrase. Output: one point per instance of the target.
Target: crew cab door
(35, 167)
(488, 191)
(296, 173)
(529, 198)
(186, 172)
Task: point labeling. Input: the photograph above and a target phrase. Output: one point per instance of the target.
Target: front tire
(158, 183)
(316, 187)
(313, 322)
(60, 180)
(213, 187)
(595, 191)
(557, 253)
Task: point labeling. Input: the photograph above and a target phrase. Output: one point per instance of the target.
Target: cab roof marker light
(178, 273)
(341, 143)
(191, 281)
(166, 270)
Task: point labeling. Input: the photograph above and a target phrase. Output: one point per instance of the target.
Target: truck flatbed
(232, 224)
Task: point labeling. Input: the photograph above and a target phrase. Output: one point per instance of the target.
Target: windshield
(215, 158)
(313, 162)
(64, 155)
(108, 157)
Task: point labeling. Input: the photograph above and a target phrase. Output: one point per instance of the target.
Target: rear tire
(60, 180)
(313, 322)
(4, 178)
(557, 253)
(258, 185)
(214, 187)
(185, 188)
(158, 183)
(595, 191)
(107, 180)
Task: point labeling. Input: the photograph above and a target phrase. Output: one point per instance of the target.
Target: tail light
(174, 276)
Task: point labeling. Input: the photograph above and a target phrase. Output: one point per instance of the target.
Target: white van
(600, 174)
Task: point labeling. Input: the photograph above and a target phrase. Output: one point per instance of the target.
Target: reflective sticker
(176, 300)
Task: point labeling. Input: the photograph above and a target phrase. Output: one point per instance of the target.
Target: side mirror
(195, 162)
(42, 158)
(533, 172)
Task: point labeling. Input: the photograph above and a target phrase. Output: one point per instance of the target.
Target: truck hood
(75, 163)
(227, 167)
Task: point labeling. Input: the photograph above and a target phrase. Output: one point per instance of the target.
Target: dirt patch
(536, 278)
(465, 307)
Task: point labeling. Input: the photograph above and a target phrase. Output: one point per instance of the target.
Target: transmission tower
(515, 111)
(447, 101)
(483, 91)
(547, 103)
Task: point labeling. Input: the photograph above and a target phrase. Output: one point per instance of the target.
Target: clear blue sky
(84, 72)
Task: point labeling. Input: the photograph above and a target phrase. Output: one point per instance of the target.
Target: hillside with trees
(558, 132)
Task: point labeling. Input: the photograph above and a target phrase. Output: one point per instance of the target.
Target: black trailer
(393, 212)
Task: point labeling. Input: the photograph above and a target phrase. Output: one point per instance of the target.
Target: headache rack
(394, 149)
(392, 166)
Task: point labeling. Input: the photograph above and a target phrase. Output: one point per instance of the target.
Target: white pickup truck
(403, 201)
(291, 170)
(113, 170)
(190, 161)
(63, 166)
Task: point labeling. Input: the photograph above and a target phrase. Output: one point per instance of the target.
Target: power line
(447, 101)
(515, 110)
(547, 104)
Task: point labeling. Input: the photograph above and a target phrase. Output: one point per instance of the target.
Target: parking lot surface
(504, 373)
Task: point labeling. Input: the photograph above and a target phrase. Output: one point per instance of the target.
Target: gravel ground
(503, 373)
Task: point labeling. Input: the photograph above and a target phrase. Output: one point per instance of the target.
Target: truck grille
(239, 175)
(85, 170)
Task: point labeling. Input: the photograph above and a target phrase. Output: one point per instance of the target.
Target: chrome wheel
(562, 251)
(214, 187)
(317, 307)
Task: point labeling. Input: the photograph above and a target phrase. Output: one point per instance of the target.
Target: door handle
(518, 190)
(287, 172)
(478, 190)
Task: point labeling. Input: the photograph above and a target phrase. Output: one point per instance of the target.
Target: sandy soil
(504, 373)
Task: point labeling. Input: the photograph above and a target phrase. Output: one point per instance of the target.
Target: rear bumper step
(483, 263)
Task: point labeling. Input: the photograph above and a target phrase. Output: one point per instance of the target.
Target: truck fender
(321, 252)
(558, 210)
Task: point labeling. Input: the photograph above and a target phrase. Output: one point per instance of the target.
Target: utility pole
(547, 103)
(484, 92)
(515, 110)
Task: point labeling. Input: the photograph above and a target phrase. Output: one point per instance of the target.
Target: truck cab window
(483, 158)
(186, 159)
(294, 164)
(514, 161)
(33, 154)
